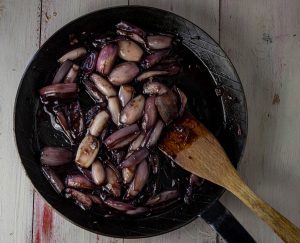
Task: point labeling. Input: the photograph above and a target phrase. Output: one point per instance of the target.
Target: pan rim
(217, 197)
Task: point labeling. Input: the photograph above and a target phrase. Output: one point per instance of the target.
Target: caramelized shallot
(87, 151)
(135, 158)
(126, 93)
(107, 58)
(81, 199)
(73, 54)
(98, 173)
(133, 111)
(103, 85)
(55, 156)
(99, 123)
(130, 51)
(62, 71)
(123, 73)
(53, 178)
(78, 182)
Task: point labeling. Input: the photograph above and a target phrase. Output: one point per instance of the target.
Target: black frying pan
(215, 96)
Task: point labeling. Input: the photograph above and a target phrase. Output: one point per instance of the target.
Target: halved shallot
(114, 108)
(123, 73)
(53, 178)
(163, 197)
(159, 41)
(159, 70)
(103, 85)
(95, 199)
(78, 182)
(55, 156)
(98, 172)
(133, 111)
(126, 93)
(121, 206)
(81, 199)
(72, 74)
(155, 88)
(61, 120)
(135, 158)
(137, 143)
(150, 113)
(132, 36)
(99, 123)
(87, 151)
(128, 174)
(113, 183)
(125, 26)
(150, 74)
(73, 54)
(140, 179)
(123, 134)
(155, 135)
(62, 71)
(59, 92)
(154, 58)
(107, 58)
(93, 92)
(136, 211)
(130, 51)
(182, 100)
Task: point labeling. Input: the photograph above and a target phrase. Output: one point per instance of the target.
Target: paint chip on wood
(276, 99)
(267, 38)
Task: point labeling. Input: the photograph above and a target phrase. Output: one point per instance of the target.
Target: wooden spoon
(196, 149)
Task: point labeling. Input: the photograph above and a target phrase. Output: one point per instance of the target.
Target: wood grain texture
(262, 39)
(204, 13)
(196, 232)
(49, 226)
(19, 38)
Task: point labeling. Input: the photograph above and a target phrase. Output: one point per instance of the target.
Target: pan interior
(207, 100)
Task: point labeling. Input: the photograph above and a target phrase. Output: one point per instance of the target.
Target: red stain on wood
(37, 237)
(37, 218)
(43, 221)
(47, 222)
(97, 239)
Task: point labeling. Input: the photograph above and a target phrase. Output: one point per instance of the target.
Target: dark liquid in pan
(198, 85)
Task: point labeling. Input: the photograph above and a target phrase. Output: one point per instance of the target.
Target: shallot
(112, 98)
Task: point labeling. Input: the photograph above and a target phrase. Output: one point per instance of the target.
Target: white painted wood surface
(262, 38)
(48, 225)
(19, 39)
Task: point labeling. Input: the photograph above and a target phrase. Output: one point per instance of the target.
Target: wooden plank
(196, 232)
(48, 225)
(19, 34)
(58, 13)
(206, 15)
(262, 39)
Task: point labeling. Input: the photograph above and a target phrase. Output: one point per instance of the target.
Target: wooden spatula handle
(281, 226)
(195, 149)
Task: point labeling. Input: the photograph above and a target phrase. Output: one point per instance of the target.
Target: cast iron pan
(215, 96)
